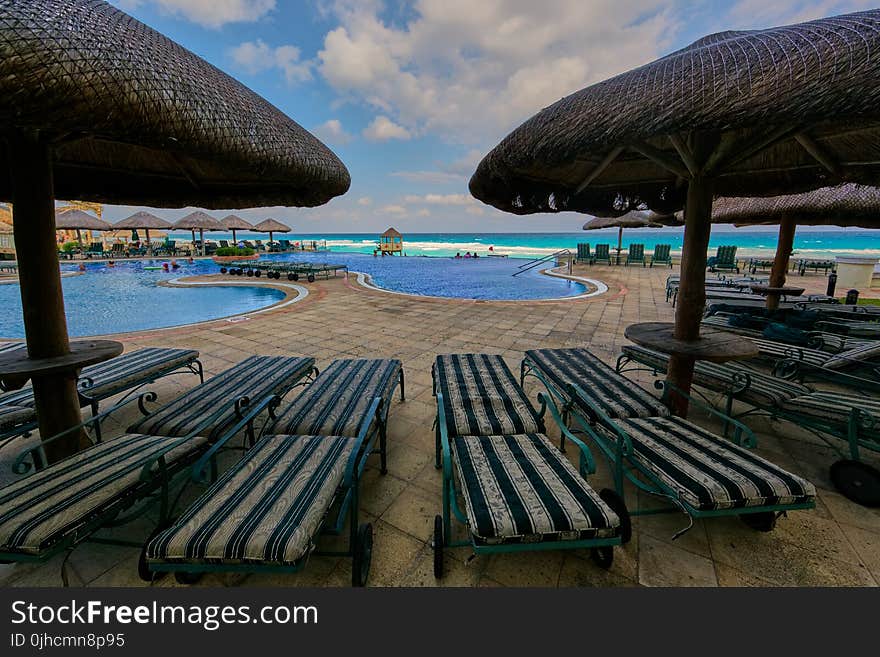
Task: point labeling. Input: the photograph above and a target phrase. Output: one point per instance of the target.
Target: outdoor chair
(123, 374)
(492, 436)
(265, 515)
(583, 253)
(224, 244)
(96, 250)
(603, 254)
(249, 245)
(118, 250)
(259, 245)
(816, 265)
(831, 343)
(699, 472)
(661, 255)
(831, 415)
(724, 260)
(635, 254)
(284, 245)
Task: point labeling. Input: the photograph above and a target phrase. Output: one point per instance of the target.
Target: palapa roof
(784, 109)
(137, 119)
(842, 205)
(196, 220)
(392, 232)
(142, 220)
(271, 225)
(233, 221)
(79, 220)
(633, 219)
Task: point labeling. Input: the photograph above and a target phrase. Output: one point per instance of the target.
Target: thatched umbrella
(78, 220)
(233, 222)
(271, 226)
(632, 219)
(198, 221)
(97, 106)
(146, 221)
(758, 113)
(848, 204)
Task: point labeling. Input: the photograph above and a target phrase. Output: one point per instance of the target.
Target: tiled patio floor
(836, 544)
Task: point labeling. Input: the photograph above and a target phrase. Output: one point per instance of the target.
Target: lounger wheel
(223, 270)
(183, 577)
(294, 276)
(857, 481)
(602, 556)
(311, 278)
(363, 555)
(764, 521)
(258, 273)
(250, 273)
(438, 547)
(612, 499)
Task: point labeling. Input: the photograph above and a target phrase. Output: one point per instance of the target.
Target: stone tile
(664, 564)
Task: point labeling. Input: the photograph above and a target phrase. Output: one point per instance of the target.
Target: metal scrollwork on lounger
(739, 382)
(146, 397)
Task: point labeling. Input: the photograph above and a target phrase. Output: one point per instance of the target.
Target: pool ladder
(537, 262)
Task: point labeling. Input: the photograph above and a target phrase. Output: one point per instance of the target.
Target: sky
(411, 94)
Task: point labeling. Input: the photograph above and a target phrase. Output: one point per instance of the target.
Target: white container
(855, 272)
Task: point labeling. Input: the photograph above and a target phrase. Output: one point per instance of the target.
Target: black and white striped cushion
(520, 489)
(336, 403)
(616, 395)
(481, 397)
(708, 473)
(39, 510)
(867, 352)
(14, 416)
(832, 407)
(763, 391)
(779, 351)
(255, 377)
(265, 510)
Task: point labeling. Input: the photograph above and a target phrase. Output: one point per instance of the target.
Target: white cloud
(392, 209)
(382, 129)
(475, 210)
(332, 132)
(258, 56)
(209, 13)
(424, 212)
(467, 163)
(441, 199)
(365, 200)
(430, 177)
(749, 14)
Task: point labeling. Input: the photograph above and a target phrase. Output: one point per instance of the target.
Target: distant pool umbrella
(97, 106)
(198, 221)
(144, 220)
(845, 205)
(632, 219)
(757, 113)
(78, 220)
(234, 222)
(271, 226)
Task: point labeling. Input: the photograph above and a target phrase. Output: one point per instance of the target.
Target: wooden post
(692, 287)
(149, 244)
(784, 247)
(201, 241)
(55, 397)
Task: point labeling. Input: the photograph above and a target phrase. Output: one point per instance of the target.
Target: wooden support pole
(692, 288)
(784, 248)
(55, 397)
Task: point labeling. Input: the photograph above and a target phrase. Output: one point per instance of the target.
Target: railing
(537, 262)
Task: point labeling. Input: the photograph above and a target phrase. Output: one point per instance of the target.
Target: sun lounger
(724, 260)
(603, 254)
(816, 265)
(123, 374)
(831, 343)
(701, 473)
(583, 253)
(518, 492)
(635, 254)
(661, 255)
(266, 513)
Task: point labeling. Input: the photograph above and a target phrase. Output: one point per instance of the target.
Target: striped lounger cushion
(780, 350)
(117, 374)
(707, 472)
(255, 377)
(616, 395)
(15, 416)
(520, 489)
(481, 397)
(763, 391)
(265, 510)
(832, 407)
(869, 352)
(336, 403)
(39, 510)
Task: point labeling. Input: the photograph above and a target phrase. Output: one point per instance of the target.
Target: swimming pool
(127, 297)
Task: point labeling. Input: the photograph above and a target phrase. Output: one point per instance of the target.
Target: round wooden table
(713, 345)
(16, 367)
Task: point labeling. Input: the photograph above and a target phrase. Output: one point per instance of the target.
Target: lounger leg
(199, 370)
(402, 387)
(437, 462)
(94, 406)
(383, 446)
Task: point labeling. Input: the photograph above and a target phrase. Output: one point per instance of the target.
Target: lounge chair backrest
(583, 251)
(636, 252)
(725, 255)
(224, 244)
(661, 252)
(602, 251)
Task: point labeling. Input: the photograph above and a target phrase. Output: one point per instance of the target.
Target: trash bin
(855, 271)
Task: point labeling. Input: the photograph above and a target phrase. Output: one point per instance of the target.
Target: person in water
(82, 267)
(476, 255)
(174, 264)
(110, 263)
(190, 261)
(458, 255)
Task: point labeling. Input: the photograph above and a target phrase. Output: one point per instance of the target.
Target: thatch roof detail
(233, 221)
(271, 225)
(79, 220)
(198, 220)
(142, 220)
(633, 219)
(784, 109)
(137, 119)
(392, 232)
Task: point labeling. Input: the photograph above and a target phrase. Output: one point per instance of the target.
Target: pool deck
(837, 544)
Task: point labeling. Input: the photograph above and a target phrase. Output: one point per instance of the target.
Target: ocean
(809, 243)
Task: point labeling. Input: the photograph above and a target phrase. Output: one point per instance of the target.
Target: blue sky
(411, 94)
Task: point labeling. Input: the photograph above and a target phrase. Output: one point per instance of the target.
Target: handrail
(537, 262)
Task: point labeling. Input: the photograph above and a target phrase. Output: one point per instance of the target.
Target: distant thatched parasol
(271, 226)
(146, 221)
(78, 220)
(234, 222)
(97, 106)
(758, 113)
(198, 221)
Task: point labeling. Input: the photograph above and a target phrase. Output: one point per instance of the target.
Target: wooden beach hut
(391, 242)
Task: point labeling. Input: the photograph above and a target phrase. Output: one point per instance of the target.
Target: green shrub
(69, 247)
(234, 251)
